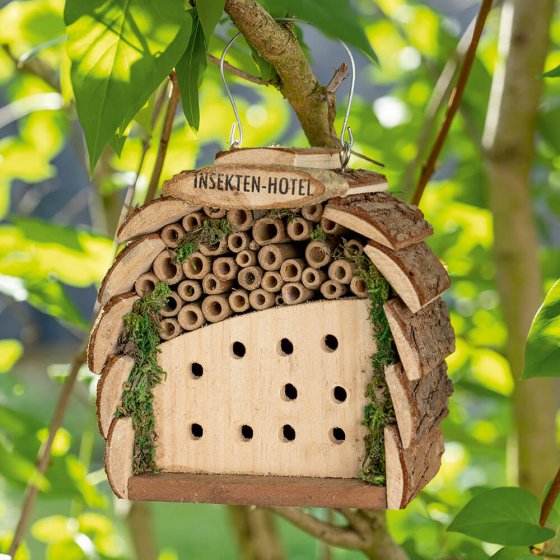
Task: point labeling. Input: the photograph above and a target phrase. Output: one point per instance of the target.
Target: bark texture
(509, 152)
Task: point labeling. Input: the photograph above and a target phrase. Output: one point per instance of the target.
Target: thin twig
(33, 67)
(233, 70)
(550, 499)
(340, 74)
(164, 139)
(454, 102)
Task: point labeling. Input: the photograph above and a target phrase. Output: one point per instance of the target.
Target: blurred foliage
(52, 262)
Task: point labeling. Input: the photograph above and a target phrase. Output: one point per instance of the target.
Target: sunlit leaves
(337, 19)
(209, 12)
(507, 516)
(190, 71)
(554, 73)
(121, 50)
(542, 356)
(10, 352)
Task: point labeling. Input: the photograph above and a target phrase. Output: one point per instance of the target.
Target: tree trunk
(509, 155)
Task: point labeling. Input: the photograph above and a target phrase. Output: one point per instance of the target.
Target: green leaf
(209, 12)
(267, 71)
(52, 529)
(554, 73)
(10, 352)
(190, 71)
(121, 50)
(507, 516)
(338, 20)
(542, 355)
(513, 553)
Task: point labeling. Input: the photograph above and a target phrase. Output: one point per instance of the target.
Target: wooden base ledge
(256, 490)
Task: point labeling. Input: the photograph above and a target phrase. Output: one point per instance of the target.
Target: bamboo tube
(246, 258)
(215, 213)
(170, 328)
(341, 270)
(212, 285)
(216, 308)
(250, 278)
(299, 229)
(292, 269)
(197, 266)
(191, 317)
(171, 235)
(172, 305)
(270, 230)
(240, 220)
(214, 250)
(239, 301)
(358, 287)
(271, 257)
(332, 228)
(261, 299)
(353, 248)
(312, 278)
(166, 270)
(312, 212)
(238, 242)
(332, 289)
(146, 283)
(193, 221)
(254, 246)
(295, 292)
(189, 290)
(319, 253)
(272, 282)
(225, 268)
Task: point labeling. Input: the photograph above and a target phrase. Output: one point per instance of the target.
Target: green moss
(318, 234)
(210, 232)
(142, 336)
(379, 412)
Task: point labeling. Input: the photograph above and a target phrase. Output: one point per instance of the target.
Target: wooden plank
(257, 490)
(423, 339)
(282, 347)
(119, 448)
(419, 405)
(410, 470)
(312, 158)
(267, 187)
(153, 216)
(415, 273)
(380, 217)
(107, 329)
(109, 390)
(135, 259)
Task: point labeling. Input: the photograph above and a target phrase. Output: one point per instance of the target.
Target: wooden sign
(258, 187)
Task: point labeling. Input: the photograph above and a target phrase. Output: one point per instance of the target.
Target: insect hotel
(272, 333)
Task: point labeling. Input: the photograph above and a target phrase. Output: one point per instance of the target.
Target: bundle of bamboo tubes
(251, 261)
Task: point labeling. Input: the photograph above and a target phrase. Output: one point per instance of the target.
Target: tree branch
(236, 71)
(279, 46)
(550, 499)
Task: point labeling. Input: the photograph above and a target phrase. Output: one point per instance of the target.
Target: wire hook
(346, 144)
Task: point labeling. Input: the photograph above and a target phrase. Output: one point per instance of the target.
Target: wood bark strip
(133, 261)
(380, 217)
(423, 339)
(415, 273)
(419, 405)
(119, 449)
(107, 329)
(410, 470)
(257, 490)
(152, 217)
(109, 390)
(312, 158)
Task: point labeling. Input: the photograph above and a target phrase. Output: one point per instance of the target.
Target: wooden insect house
(273, 333)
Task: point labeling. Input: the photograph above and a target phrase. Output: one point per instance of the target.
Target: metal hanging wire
(346, 136)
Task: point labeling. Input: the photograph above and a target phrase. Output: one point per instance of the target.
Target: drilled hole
(169, 268)
(260, 299)
(196, 369)
(340, 273)
(170, 304)
(337, 435)
(238, 301)
(292, 293)
(246, 433)
(243, 259)
(196, 431)
(216, 308)
(291, 271)
(328, 225)
(339, 394)
(288, 433)
(212, 284)
(236, 241)
(298, 228)
(290, 392)
(238, 349)
(196, 263)
(286, 347)
(331, 289)
(330, 343)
